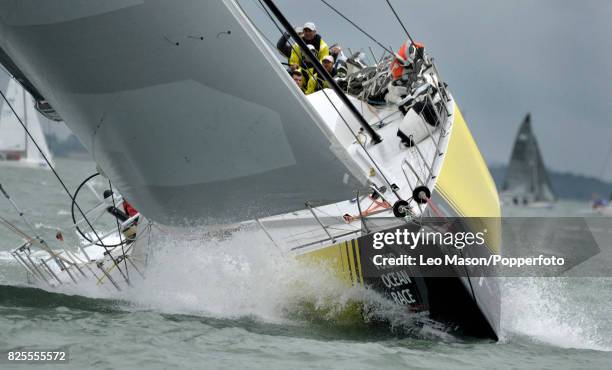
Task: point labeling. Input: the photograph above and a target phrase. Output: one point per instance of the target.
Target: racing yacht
(160, 95)
(527, 182)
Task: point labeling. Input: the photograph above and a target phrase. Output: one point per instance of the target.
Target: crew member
(296, 74)
(336, 51)
(305, 82)
(283, 44)
(406, 54)
(129, 210)
(310, 38)
(328, 64)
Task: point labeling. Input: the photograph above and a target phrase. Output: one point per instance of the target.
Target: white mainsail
(16, 147)
(190, 114)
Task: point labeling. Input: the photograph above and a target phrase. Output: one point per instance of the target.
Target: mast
(25, 121)
(322, 71)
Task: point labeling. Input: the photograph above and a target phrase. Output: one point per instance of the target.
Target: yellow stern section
(466, 183)
(343, 258)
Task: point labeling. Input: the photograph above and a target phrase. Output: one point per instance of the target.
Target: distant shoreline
(565, 185)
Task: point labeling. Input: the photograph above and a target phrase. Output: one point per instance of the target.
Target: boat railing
(55, 267)
(436, 98)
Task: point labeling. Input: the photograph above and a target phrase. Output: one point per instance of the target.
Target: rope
(400, 21)
(57, 176)
(435, 209)
(379, 170)
(46, 160)
(357, 27)
(372, 208)
(119, 229)
(270, 16)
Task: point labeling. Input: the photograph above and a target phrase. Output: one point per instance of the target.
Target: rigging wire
(270, 16)
(322, 72)
(357, 27)
(400, 21)
(57, 176)
(119, 230)
(260, 5)
(310, 74)
(386, 180)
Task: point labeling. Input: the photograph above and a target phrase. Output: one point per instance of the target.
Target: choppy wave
(563, 312)
(244, 277)
(27, 296)
(247, 277)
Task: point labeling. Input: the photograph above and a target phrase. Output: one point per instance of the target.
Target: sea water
(237, 302)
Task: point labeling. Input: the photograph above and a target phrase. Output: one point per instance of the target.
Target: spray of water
(555, 311)
(245, 276)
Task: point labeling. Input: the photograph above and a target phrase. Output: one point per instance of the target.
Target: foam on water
(5, 257)
(242, 276)
(544, 310)
(246, 276)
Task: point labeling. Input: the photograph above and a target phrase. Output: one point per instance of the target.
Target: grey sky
(501, 59)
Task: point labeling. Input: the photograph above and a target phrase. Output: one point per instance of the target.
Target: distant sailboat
(16, 147)
(603, 205)
(527, 181)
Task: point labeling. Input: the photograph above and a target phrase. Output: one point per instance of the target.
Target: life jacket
(319, 45)
(316, 42)
(309, 81)
(407, 53)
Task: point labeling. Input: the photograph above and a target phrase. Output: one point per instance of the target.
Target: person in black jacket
(284, 46)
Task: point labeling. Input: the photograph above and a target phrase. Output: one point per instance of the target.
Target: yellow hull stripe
(358, 257)
(347, 271)
(353, 260)
(343, 257)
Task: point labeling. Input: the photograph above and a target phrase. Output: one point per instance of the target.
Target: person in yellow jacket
(311, 38)
(321, 83)
(311, 85)
(305, 81)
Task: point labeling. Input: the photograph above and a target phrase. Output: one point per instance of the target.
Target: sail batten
(526, 178)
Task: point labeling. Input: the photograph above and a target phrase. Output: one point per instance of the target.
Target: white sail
(190, 114)
(12, 135)
(526, 178)
(33, 154)
(16, 147)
